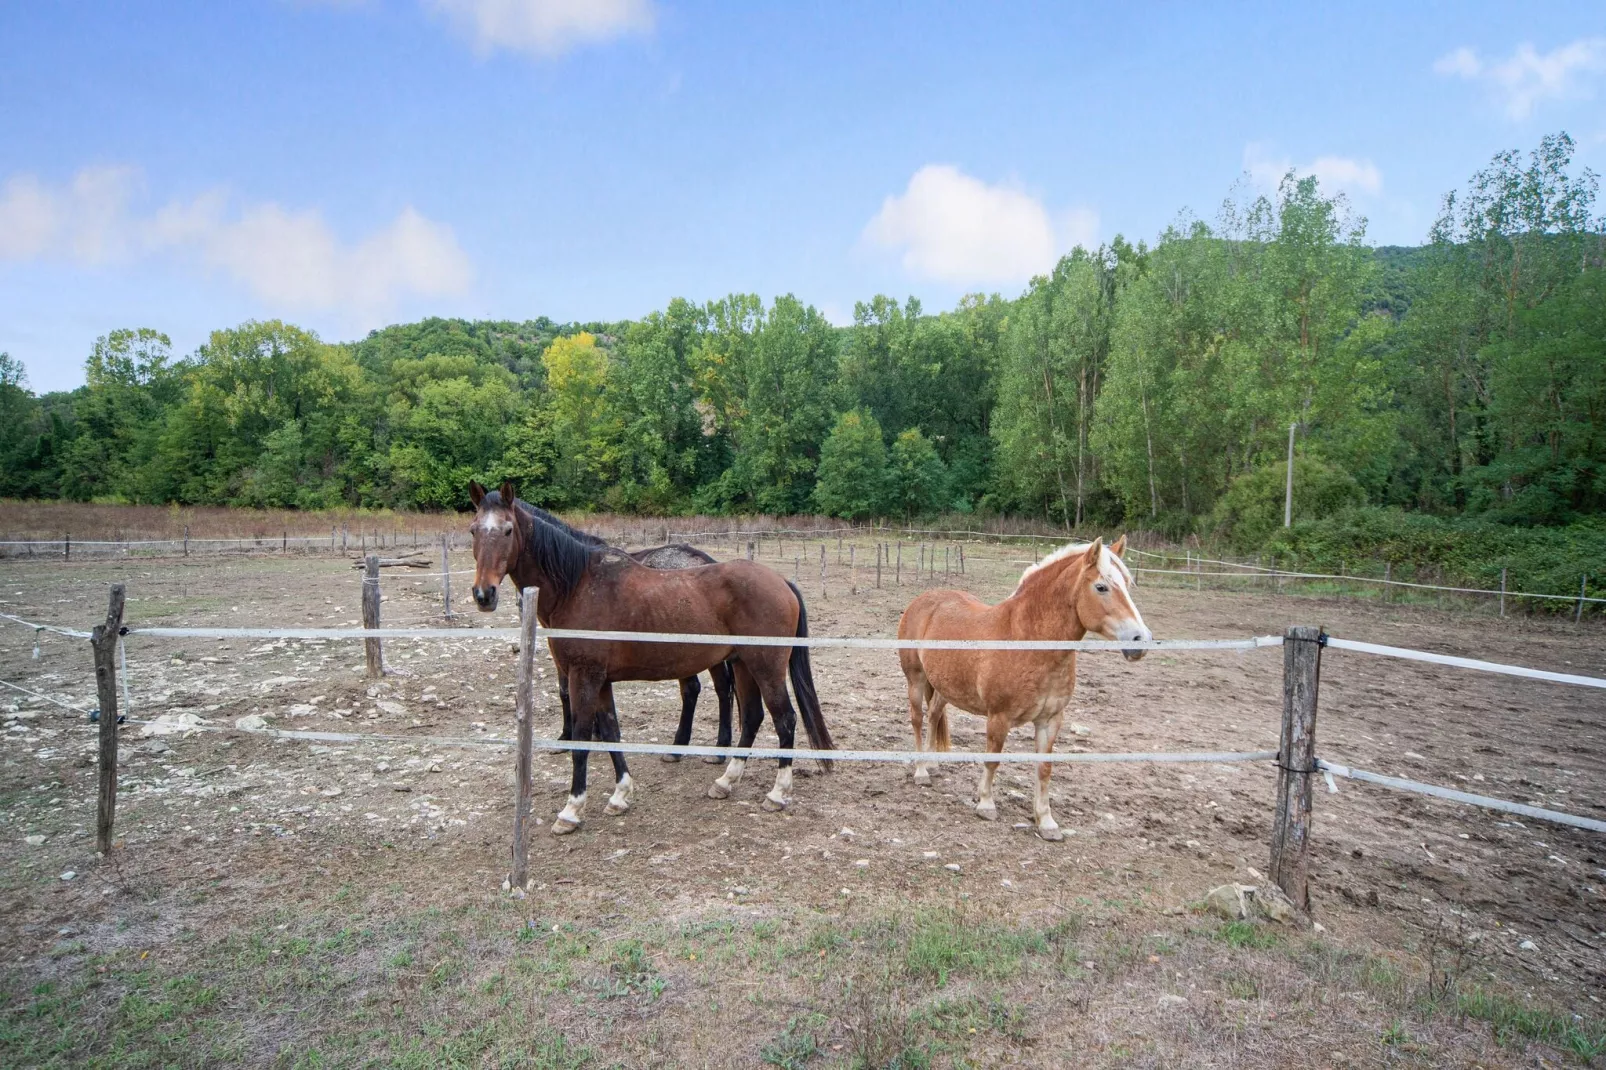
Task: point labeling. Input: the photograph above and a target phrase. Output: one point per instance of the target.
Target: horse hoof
(772, 805)
(560, 827)
(615, 809)
(713, 759)
(1052, 834)
(716, 790)
(987, 813)
(671, 758)
(922, 778)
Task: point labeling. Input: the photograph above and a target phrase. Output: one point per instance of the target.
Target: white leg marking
(569, 819)
(985, 807)
(781, 793)
(1047, 827)
(721, 788)
(620, 802)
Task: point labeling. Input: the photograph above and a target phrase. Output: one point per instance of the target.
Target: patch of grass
(942, 944)
(1246, 934)
(1512, 1022)
(796, 1044)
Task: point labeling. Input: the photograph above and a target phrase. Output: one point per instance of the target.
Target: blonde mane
(1106, 561)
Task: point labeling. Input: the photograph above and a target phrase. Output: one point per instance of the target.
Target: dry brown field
(301, 903)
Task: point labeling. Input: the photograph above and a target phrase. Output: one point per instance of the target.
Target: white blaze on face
(1125, 622)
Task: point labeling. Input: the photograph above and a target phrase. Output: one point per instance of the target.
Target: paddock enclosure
(297, 901)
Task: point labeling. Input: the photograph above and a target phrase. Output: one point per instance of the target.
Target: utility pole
(1288, 494)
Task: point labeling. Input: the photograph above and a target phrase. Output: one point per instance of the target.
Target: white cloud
(545, 27)
(1529, 77)
(286, 258)
(1335, 173)
(958, 229)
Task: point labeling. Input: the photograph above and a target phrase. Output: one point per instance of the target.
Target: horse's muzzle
(1142, 635)
(485, 598)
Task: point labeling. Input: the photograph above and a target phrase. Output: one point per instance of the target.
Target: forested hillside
(1148, 385)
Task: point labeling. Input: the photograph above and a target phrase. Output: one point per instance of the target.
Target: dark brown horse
(675, 555)
(584, 586)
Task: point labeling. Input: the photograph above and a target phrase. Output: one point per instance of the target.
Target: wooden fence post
(66, 546)
(1502, 592)
(853, 572)
(103, 640)
(897, 573)
(370, 616)
(750, 549)
(1296, 763)
(446, 575)
(1583, 586)
(345, 534)
(961, 559)
(523, 705)
(822, 572)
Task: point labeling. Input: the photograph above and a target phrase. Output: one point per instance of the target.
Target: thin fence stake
(1296, 764)
(1583, 585)
(750, 549)
(103, 641)
(1388, 574)
(879, 548)
(822, 572)
(1502, 592)
(66, 546)
(370, 617)
(523, 707)
(853, 573)
(446, 575)
(897, 575)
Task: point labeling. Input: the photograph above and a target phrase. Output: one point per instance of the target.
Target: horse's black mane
(559, 551)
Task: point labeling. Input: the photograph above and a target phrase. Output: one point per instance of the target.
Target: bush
(852, 477)
(1252, 508)
(1459, 552)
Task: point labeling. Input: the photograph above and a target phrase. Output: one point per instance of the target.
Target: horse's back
(941, 614)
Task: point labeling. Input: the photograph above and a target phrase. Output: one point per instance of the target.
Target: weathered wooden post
(370, 616)
(853, 573)
(345, 534)
(331, 537)
(750, 549)
(1583, 585)
(1502, 592)
(103, 641)
(523, 706)
(284, 541)
(822, 572)
(897, 574)
(66, 546)
(446, 575)
(961, 559)
(186, 540)
(1296, 763)
(880, 549)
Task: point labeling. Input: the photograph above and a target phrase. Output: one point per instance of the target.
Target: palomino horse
(675, 555)
(590, 587)
(1080, 589)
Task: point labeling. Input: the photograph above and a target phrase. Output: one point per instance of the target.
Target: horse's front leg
(563, 700)
(725, 689)
(690, 688)
(1047, 732)
(608, 730)
(752, 707)
(997, 733)
(585, 698)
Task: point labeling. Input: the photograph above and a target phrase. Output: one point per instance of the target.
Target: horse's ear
(476, 493)
(508, 497)
(1118, 547)
(1094, 549)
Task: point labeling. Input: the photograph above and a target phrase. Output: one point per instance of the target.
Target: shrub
(1252, 508)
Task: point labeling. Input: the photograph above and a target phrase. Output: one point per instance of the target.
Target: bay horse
(1079, 589)
(585, 586)
(674, 555)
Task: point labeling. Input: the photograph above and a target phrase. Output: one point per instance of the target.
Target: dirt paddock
(289, 903)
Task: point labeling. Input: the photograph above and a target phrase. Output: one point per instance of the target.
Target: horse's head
(497, 536)
(1103, 596)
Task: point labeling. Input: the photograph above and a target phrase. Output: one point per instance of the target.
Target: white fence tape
(697, 639)
(1465, 663)
(1485, 801)
(36, 626)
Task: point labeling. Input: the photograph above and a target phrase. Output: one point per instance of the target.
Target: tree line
(1141, 385)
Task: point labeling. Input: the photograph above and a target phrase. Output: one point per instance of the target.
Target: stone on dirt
(1249, 902)
(169, 723)
(254, 722)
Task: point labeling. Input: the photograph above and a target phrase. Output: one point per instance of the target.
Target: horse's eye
(507, 529)
(1102, 588)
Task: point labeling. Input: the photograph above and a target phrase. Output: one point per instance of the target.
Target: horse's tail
(808, 700)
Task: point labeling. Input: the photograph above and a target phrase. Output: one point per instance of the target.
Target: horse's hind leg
(725, 690)
(784, 716)
(1047, 732)
(920, 691)
(608, 731)
(690, 688)
(752, 707)
(997, 733)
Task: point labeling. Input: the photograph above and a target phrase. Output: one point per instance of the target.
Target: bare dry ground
(289, 903)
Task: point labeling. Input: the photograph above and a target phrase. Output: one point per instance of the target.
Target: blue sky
(343, 165)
